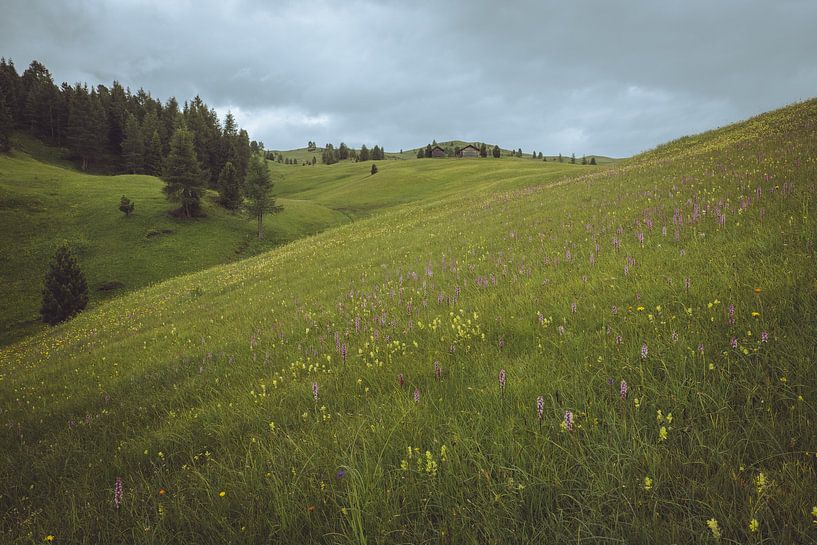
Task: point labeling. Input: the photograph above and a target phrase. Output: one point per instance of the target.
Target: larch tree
(183, 177)
(229, 187)
(257, 189)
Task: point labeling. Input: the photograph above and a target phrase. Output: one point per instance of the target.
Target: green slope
(43, 204)
(351, 188)
(198, 392)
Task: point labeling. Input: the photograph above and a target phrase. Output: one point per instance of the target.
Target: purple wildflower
(502, 380)
(343, 351)
(619, 340)
(624, 389)
(733, 342)
(341, 473)
(401, 380)
(315, 391)
(731, 314)
(569, 420)
(701, 348)
(573, 307)
(644, 351)
(117, 492)
(540, 407)
(764, 336)
(438, 371)
(416, 395)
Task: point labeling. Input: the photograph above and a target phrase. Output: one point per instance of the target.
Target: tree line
(114, 129)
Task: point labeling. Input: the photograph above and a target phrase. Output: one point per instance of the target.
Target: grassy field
(620, 355)
(44, 202)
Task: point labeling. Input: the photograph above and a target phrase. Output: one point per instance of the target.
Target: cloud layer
(584, 77)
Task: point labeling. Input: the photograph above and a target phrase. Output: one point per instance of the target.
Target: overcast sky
(578, 76)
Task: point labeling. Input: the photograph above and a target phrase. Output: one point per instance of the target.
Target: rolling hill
(614, 355)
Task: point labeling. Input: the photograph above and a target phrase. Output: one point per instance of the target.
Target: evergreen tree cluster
(332, 155)
(114, 129)
(65, 292)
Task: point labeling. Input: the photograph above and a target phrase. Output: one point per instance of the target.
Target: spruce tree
(364, 153)
(343, 152)
(572, 158)
(133, 146)
(496, 152)
(229, 187)
(65, 292)
(592, 160)
(257, 187)
(183, 176)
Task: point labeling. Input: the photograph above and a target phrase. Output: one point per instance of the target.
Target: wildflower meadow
(622, 354)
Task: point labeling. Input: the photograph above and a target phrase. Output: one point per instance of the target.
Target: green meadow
(518, 352)
(44, 201)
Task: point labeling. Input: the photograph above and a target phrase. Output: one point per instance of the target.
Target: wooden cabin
(469, 151)
(437, 151)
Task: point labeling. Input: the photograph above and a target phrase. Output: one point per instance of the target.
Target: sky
(590, 77)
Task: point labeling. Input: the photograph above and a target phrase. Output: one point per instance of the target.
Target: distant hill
(303, 154)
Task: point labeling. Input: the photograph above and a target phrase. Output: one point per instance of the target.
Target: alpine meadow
(204, 339)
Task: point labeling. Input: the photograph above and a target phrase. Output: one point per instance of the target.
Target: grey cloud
(593, 77)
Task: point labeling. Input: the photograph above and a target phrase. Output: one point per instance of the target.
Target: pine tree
(496, 152)
(584, 159)
(428, 151)
(592, 160)
(421, 153)
(343, 152)
(483, 150)
(133, 146)
(572, 158)
(364, 153)
(257, 188)
(183, 175)
(229, 187)
(65, 292)
(126, 206)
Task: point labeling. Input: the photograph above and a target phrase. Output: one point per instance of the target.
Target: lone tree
(496, 152)
(483, 150)
(229, 187)
(592, 160)
(65, 292)
(126, 205)
(257, 189)
(374, 169)
(421, 153)
(183, 175)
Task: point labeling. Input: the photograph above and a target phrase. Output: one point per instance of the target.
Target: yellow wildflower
(754, 525)
(647, 483)
(662, 433)
(222, 494)
(713, 525)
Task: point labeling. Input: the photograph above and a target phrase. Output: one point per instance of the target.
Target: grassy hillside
(346, 388)
(43, 204)
(350, 187)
